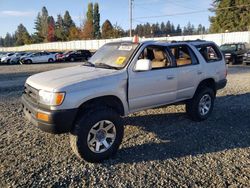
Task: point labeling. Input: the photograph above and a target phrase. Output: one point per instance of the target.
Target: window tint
(210, 53)
(183, 55)
(158, 55)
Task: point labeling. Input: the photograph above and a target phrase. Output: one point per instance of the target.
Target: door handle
(170, 77)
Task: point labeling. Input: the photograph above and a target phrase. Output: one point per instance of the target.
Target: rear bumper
(59, 121)
(221, 84)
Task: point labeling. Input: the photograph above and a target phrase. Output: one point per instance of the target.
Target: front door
(154, 87)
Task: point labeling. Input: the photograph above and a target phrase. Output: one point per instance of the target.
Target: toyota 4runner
(89, 100)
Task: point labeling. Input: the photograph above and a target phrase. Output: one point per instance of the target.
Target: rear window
(210, 53)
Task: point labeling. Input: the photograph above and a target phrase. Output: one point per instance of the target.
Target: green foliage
(230, 15)
(96, 21)
(9, 40)
(37, 38)
(59, 29)
(67, 23)
(22, 36)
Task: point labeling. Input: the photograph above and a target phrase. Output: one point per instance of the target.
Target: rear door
(188, 71)
(154, 87)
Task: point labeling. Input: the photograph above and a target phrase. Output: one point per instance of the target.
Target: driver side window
(157, 55)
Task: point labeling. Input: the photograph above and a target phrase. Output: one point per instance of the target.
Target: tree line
(230, 15)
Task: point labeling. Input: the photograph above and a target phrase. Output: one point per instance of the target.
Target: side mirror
(143, 65)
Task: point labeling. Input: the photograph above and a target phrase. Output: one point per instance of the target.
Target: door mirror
(143, 65)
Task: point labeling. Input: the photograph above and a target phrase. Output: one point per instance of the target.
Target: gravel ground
(161, 147)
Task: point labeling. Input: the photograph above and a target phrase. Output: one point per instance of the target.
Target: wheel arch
(111, 101)
(208, 82)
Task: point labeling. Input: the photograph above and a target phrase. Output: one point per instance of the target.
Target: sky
(14, 12)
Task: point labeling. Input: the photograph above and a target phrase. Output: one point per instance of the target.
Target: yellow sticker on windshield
(120, 60)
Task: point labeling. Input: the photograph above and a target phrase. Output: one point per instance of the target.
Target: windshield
(229, 47)
(114, 55)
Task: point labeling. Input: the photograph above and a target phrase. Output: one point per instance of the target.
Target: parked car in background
(2, 54)
(234, 52)
(6, 58)
(39, 57)
(14, 59)
(79, 55)
(61, 56)
(246, 57)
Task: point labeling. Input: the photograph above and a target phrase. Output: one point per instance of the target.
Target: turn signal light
(42, 116)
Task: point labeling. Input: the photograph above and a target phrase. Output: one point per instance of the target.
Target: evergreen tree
(37, 37)
(163, 28)
(1, 42)
(9, 40)
(44, 24)
(67, 23)
(107, 30)
(22, 36)
(178, 30)
(168, 28)
(59, 29)
(96, 21)
(231, 15)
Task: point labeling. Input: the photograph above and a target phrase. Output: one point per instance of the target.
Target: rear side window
(183, 55)
(210, 53)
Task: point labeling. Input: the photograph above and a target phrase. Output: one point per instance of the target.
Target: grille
(31, 94)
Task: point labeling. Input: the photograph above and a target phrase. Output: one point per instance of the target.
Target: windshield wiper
(88, 63)
(103, 65)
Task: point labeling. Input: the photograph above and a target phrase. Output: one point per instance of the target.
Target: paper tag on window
(120, 60)
(125, 48)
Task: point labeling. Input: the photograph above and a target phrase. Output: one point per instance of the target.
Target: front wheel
(72, 59)
(97, 135)
(201, 106)
(29, 61)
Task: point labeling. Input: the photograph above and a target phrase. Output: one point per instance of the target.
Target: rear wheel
(201, 106)
(97, 135)
(50, 60)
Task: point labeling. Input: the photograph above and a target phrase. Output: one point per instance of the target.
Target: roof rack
(197, 40)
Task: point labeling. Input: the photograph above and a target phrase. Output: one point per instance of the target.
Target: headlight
(51, 98)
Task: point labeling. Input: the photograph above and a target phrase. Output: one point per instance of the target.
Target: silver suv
(89, 100)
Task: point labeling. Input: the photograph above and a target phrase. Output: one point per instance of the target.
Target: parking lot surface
(161, 147)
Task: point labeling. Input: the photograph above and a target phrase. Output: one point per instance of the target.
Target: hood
(228, 51)
(56, 79)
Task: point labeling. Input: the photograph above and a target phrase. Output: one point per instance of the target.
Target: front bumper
(59, 121)
(246, 59)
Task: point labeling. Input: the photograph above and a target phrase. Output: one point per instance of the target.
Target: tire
(201, 97)
(72, 59)
(29, 61)
(8, 62)
(84, 141)
(50, 60)
(234, 61)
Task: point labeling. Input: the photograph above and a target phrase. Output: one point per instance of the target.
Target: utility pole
(130, 18)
